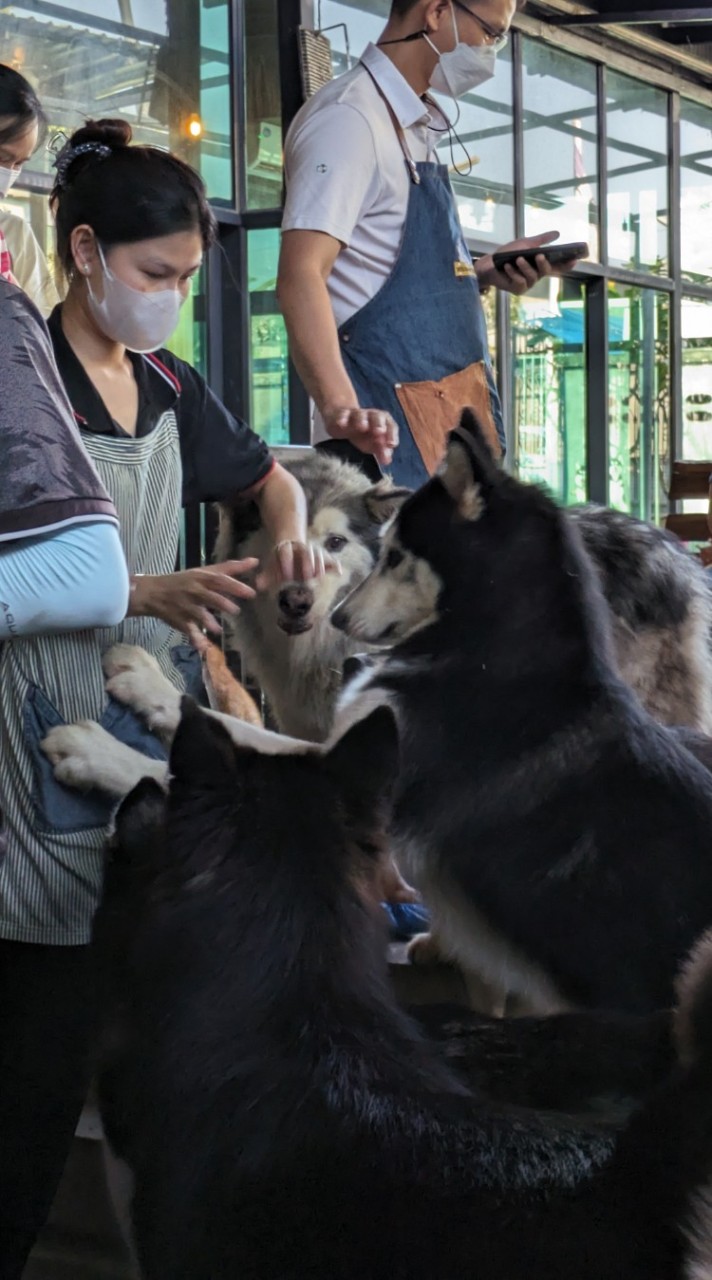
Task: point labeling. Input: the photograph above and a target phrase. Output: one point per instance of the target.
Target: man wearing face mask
(378, 290)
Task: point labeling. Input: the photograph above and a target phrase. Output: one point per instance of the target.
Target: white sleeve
(70, 580)
(29, 265)
(331, 171)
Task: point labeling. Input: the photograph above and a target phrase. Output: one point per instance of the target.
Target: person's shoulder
(352, 92)
(176, 372)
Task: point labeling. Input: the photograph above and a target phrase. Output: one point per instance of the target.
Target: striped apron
(50, 875)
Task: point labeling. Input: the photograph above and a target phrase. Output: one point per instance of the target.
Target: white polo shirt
(346, 174)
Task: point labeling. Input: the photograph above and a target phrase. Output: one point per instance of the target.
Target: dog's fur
(661, 603)
(282, 1118)
(559, 835)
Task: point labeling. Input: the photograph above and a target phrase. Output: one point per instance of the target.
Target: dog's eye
(335, 542)
(394, 558)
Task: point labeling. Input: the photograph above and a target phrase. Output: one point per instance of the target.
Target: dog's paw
(129, 657)
(84, 756)
(136, 680)
(424, 949)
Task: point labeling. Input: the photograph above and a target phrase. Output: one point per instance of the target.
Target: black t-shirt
(221, 456)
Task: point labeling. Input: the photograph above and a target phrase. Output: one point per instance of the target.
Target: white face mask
(7, 178)
(139, 321)
(462, 68)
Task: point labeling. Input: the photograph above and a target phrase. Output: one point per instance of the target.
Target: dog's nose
(295, 601)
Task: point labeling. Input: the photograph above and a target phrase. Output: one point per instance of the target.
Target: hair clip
(69, 154)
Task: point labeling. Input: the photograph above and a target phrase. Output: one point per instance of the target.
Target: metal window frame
(229, 304)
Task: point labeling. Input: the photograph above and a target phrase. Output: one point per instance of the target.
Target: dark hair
(401, 7)
(133, 193)
(19, 101)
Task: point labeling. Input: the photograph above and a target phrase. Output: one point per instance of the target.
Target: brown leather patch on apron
(432, 409)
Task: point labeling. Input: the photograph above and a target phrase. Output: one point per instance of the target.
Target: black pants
(46, 1022)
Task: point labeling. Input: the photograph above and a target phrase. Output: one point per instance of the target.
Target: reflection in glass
(560, 151)
(548, 334)
(637, 175)
(696, 378)
(482, 174)
(163, 65)
(269, 368)
(638, 400)
(696, 192)
(263, 106)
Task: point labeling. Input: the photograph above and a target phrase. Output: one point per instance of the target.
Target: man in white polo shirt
(377, 286)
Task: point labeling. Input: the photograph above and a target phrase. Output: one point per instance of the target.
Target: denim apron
(418, 348)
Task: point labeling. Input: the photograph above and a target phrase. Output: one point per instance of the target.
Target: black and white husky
(282, 1118)
(560, 836)
(657, 593)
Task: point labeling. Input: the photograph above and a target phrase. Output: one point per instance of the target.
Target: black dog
(561, 837)
(283, 1119)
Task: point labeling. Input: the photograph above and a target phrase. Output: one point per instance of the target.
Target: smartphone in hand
(554, 253)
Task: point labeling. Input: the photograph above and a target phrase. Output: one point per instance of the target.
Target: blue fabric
(406, 919)
(59, 808)
(425, 323)
(68, 580)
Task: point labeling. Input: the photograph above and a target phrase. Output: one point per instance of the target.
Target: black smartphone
(554, 253)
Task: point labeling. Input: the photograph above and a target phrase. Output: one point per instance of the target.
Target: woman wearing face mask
(133, 224)
(22, 124)
(376, 283)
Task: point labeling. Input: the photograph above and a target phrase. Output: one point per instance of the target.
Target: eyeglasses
(495, 39)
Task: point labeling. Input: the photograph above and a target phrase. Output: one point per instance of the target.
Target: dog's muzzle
(295, 603)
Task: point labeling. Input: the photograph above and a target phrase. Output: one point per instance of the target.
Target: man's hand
(521, 277)
(370, 430)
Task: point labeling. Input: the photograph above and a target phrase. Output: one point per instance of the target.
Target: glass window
(549, 387)
(163, 65)
(560, 144)
(263, 106)
(696, 378)
(637, 175)
(639, 400)
(350, 25)
(269, 366)
(481, 157)
(696, 192)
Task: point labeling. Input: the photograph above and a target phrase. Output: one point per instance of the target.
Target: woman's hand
(294, 561)
(187, 600)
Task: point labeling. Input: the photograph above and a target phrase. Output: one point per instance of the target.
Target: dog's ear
(469, 470)
(138, 824)
(365, 763)
(203, 755)
(384, 500)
